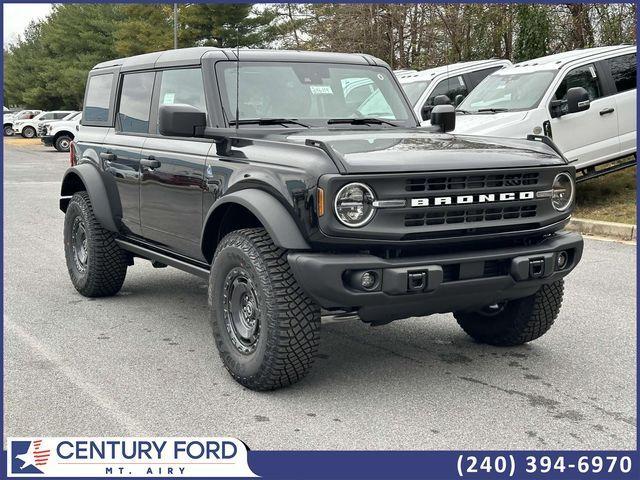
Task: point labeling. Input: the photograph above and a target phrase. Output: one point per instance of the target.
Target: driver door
(592, 135)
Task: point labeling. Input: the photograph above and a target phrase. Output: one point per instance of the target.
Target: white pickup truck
(585, 100)
(9, 118)
(61, 134)
(28, 127)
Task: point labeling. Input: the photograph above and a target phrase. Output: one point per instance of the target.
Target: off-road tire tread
(296, 322)
(532, 317)
(108, 267)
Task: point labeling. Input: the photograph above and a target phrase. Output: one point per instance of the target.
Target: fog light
(368, 280)
(562, 259)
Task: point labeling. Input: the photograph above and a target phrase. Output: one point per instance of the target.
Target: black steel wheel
(97, 265)
(265, 327)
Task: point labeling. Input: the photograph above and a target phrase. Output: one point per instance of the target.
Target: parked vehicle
(455, 81)
(28, 128)
(8, 120)
(42, 126)
(61, 134)
(306, 199)
(584, 99)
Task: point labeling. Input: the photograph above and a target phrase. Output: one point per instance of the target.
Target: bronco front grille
(470, 215)
(467, 182)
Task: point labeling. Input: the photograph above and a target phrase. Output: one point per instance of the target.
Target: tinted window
(451, 87)
(135, 103)
(46, 116)
(476, 77)
(96, 103)
(183, 86)
(60, 115)
(585, 77)
(623, 70)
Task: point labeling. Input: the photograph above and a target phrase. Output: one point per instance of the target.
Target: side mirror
(458, 100)
(444, 116)
(181, 121)
(577, 100)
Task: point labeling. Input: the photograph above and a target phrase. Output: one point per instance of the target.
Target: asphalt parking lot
(144, 362)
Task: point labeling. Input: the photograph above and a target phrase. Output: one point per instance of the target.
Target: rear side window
(97, 99)
(623, 71)
(135, 103)
(585, 77)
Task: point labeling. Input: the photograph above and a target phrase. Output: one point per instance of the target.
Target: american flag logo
(37, 455)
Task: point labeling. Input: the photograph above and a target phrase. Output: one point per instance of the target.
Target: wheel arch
(61, 133)
(86, 177)
(250, 208)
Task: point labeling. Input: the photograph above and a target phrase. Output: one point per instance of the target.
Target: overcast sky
(16, 17)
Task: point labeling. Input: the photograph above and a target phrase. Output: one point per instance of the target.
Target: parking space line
(131, 426)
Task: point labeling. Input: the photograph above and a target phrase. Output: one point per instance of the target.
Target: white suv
(9, 118)
(585, 100)
(61, 134)
(28, 128)
(455, 81)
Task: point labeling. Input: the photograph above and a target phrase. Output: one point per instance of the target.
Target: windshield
(414, 90)
(312, 93)
(522, 91)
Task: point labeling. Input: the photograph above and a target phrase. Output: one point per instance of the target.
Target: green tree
(534, 29)
(145, 28)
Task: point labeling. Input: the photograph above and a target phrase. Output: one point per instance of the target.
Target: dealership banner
(127, 457)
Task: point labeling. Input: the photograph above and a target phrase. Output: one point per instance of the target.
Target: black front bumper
(416, 286)
(47, 140)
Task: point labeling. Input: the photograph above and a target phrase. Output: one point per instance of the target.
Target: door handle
(108, 156)
(150, 162)
(606, 110)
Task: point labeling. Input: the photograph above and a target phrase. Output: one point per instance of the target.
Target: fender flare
(94, 185)
(267, 209)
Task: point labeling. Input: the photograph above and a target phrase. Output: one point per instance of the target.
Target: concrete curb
(620, 231)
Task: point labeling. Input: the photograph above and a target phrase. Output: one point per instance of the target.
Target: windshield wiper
(493, 110)
(268, 121)
(465, 112)
(360, 121)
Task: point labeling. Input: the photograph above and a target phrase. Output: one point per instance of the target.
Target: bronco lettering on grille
(471, 199)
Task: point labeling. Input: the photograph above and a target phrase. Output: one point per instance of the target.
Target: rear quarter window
(623, 70)
(97, 102)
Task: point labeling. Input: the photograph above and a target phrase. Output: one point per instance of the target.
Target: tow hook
(536, 268)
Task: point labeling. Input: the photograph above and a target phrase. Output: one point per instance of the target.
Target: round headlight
(354, 205)
(562, 192)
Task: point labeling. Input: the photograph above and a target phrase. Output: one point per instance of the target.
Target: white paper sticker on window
(461, 81)
(593, 71)
(169, 98)
(321, 89)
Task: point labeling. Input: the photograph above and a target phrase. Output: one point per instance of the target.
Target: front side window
(98, 97)
(184, 86)
(451, 87)
(135, 103)
(585, 77)
(508, 92)
(623, 71)
(477, 76)
(313, 93)
(60, 115)
(44, 116)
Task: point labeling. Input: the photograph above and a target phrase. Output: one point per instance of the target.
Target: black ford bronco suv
(301, 184)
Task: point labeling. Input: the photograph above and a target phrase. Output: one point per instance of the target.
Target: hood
(413, 150)
(487, 123)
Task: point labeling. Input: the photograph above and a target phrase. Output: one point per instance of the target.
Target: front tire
(7, 130)
(28, 132)
(63, 143)
(97, 265)
(516, 321)
(265, 327)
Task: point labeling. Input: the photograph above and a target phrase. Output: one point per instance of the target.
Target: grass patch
(611, 198)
